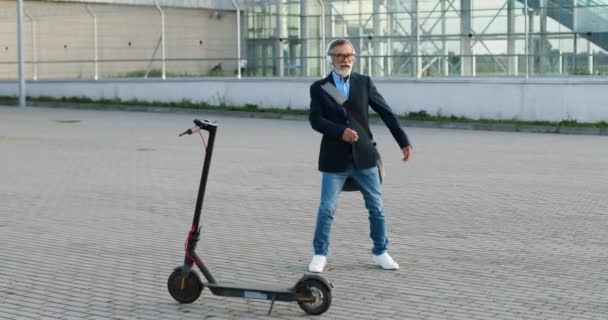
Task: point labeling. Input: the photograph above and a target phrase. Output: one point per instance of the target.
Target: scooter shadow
(209, 306)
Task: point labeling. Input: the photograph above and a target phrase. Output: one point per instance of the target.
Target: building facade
(288, 38)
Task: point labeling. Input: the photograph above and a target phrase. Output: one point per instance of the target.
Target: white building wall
(127, 39)
(549, 99)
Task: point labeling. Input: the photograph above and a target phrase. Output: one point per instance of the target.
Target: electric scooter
(311, 292)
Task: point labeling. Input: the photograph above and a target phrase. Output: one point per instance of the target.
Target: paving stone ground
(95, 207)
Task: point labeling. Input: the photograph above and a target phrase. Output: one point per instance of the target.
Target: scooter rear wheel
(321, 294)
(184, 289)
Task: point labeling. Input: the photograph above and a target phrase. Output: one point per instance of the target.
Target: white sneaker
(318, 263)
(386, 262)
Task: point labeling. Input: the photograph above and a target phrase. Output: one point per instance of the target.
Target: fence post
(323, 44)
(162, 38)
(238, 39)
(34, 49)
(95, 50)
(526, 45)
(20, 53)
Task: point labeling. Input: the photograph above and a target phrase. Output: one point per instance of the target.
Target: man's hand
(407, 153)
(350, 135)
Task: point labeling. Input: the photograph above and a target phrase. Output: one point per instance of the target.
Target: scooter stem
(211, 128)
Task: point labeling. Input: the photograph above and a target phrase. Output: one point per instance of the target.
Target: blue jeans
(331, 186)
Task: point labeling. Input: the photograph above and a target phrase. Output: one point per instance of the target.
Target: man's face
(342, 59)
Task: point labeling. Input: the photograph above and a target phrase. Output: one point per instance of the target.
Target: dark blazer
(327, 117)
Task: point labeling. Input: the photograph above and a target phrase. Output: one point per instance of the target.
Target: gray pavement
(95, 207)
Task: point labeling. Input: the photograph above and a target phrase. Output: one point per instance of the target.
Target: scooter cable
(203, 139)
(192, 230)
(186, 245)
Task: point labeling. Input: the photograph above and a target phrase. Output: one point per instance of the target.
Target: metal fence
(392, 38)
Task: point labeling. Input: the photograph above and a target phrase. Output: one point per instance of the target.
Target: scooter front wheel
(184, 288)
(317, 298)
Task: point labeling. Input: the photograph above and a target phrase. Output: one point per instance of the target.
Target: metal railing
(413, 38)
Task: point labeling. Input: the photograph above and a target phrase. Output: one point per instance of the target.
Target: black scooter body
(311, 292)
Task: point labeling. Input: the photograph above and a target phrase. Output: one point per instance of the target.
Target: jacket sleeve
(376, 101)
(317, 119)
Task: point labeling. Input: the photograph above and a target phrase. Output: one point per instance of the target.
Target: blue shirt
(342, 86)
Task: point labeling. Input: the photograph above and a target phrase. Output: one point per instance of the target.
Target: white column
(589, 58)
(526, 43)
(34, 46)
(162, 39)
(532, 50)
(22, 93)
(95, 49)
(512, 54)
(466, 59)
(377, 62)
(541, 50)
(369, 56)
(323, 44)
(238, 39)
(278, 48)
(304, 70)
(445, 65)
(416, 31)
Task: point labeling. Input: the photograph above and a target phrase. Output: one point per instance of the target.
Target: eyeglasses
(343, 56)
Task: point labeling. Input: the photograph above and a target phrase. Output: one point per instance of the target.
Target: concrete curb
(273, 115)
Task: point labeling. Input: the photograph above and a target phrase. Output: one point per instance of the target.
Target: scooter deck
(251, 286)
(252, 290)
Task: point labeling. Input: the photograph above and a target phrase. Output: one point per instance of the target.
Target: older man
(347, 149)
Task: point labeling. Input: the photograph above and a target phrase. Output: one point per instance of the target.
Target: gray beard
(339, 72)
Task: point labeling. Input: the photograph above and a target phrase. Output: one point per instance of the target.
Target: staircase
(596, 17)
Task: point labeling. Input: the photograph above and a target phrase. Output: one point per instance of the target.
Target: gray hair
(339, 42)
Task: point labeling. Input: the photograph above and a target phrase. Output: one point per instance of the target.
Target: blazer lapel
(330, 79)
(352, 79)
(353, 87)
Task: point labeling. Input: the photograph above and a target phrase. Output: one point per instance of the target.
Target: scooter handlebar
(188, 132)
(205, 124)
(201, 125)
